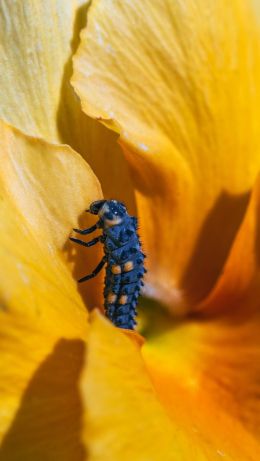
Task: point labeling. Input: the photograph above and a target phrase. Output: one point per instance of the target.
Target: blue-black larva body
(123, 257)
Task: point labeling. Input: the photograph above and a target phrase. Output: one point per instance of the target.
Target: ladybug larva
(123, 257)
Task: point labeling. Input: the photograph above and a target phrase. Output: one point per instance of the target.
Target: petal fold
(237, 290)
(206, 376)
(213, 360)
(122, 411)
(180, 82)
(37, 41)
(127, 417)
(35, 45)
(43, 321)
(48, 184)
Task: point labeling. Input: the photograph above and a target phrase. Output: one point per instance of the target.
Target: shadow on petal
(70, 119)
(213, 245)
(99, 147)
(83, 260)
(257, 239)
(96, 143)
(48, 423)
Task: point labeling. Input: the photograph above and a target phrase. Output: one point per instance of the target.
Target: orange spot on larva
(116, 269)
(111, 298)
(123, 299)
(128, 266)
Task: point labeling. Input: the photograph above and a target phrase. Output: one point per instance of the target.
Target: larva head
(111, 212)
(96, 206)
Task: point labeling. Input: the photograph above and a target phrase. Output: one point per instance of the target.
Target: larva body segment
(124, 272)
(124, 261)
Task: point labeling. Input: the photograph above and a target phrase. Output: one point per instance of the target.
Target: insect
(123, 257)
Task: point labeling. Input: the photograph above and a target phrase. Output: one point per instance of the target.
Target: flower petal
(35, 45)
(126, 417)
(43, 322)
(48, 184)
(37, 40)
(214, 361)
(237, 292)
(198, 371)
(122, 412)
(180, 82)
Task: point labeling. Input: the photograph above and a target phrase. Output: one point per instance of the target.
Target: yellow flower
(179, 82)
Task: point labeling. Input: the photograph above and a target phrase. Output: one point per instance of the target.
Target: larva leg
(86, 244)
(88, 230)
(94, 272)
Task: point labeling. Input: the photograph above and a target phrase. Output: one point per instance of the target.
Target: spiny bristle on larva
(123, 309)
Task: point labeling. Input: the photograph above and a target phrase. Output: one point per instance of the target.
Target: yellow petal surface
(43, 322)
(35, 47)
(180, 82)
(207, 371)
(124, 420)
(50, 185)
(128, 419)
(37, 41)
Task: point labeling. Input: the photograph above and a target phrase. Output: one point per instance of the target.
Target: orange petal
(37, 41)
(237, 291)
(198, 371)
(213, 363)
(126, 417)
(36, 46)
(179, 81)
(122, 412)
(105, 157)
(43, 322)
(48, 184)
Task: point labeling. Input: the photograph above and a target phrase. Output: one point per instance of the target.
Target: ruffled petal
(200, 371)
(180, 82)
(126, 417)
(237, 291)
(35, 46)
(214, 360)
(49, 185)
(37, 41)
(43, 322)
(122, 411)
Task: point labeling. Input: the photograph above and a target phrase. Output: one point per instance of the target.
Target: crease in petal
(176, 84)
(122, 411)
(239, 283)
(32, 176)
(199, 372)
(34, 36)
(42, 102)
(125, 410)
(43, 321)
(213, 359)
